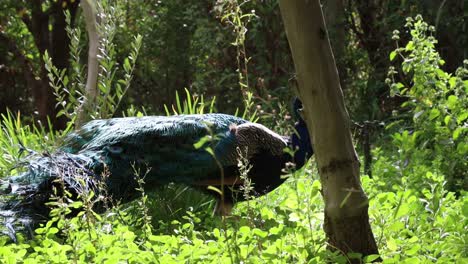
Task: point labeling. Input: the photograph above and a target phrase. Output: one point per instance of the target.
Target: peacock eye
(115, 149)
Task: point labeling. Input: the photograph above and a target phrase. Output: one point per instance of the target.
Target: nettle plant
(232, 13)
(435, 99)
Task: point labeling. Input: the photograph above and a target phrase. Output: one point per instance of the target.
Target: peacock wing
(160, 147)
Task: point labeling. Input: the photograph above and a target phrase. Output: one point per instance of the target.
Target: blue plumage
(165, 145)
(300, 140)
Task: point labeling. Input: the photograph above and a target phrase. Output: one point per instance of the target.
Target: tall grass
(19, 139)
(192, 104)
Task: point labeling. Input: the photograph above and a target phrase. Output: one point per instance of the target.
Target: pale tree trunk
(91, 90)
(346, 218)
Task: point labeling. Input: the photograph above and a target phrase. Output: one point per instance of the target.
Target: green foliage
(69, 84)
(18, 139)
(415, 219)
(183, 47)
(437, 102)
(193, 104)
(419, 225)
(112, 89)
(282, 227)
(234, 16)
(412, 223)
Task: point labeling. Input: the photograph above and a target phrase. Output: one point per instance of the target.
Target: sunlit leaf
(391, 244)
(434, 113)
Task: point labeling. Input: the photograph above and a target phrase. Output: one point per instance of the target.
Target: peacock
(198, 150)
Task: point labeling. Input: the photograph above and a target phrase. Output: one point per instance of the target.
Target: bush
(433, 125)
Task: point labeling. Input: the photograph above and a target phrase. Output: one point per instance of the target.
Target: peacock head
(300, 139)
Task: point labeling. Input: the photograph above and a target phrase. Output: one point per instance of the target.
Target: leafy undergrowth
(411, 226)
(413, 217)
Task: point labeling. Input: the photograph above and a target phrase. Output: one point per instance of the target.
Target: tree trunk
(346, 218)
(55, 41)
(38, 25)
(91, 92)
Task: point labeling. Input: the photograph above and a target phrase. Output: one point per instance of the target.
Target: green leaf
(418, 114)
(371, 258)
(40, 231)
(244, 229)
(399, 86)
(452, 82)
(441, 74)
(391, 244)
(462, 117)
(392, 55)
(277, 229)
(457, 133)
(465, 209)
(403, 210)
(260, 233)
(462, 148)
(76, 204)
(293, 217)
(434, 114)
(179, 107)
(52, 230)
(409, 46)
(447, 119)
(216, 233)
(452, 102)
(210, 150)
(212, 188)
(406, 66)
(203, 141)
(354, 255)
(413, 250)
(189, 101)
(396, 226)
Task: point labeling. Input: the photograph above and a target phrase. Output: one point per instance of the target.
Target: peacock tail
(188, 149)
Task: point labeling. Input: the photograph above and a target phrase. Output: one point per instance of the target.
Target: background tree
(346, 217)
(36, 27)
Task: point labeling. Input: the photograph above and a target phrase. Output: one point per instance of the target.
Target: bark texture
(346, 217)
